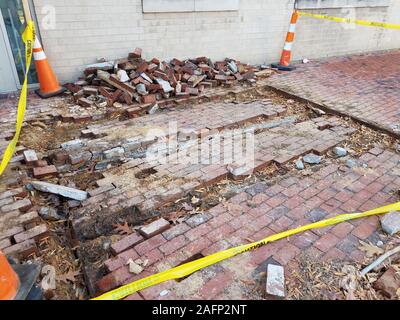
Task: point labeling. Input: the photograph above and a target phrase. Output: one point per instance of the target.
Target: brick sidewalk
(174, 179)
(63, 108)
(256, 213)
(365, 87)
(124, 187)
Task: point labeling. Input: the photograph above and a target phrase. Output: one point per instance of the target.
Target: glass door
(14, 21)
(8, 75)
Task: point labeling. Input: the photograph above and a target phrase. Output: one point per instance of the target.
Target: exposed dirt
(314, 279)
(366, 138)
(57, 253)
(44, 137)
(85, 180)
(58, 250)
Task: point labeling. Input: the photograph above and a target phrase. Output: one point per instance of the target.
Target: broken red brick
(37, 233)
(21, 205)
(176, 62)
(23, 249)
(137, 53)
(105, 92)
(86, 103)
(89, 91)
(142, 67)
(152, 67)
(60, 158)
(154, 228)
(150, 98)
(160, 74)
(134, 112)
(41, 172)
(41, 163)
(128, 99)
(19, 193)
(389, 283)
(124, 86)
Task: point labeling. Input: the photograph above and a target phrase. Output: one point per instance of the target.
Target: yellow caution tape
(348, 20)
(191, 267)
(29, 39)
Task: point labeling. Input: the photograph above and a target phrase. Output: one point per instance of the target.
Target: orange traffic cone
(49, 86)
(284, 64)
(9, 281)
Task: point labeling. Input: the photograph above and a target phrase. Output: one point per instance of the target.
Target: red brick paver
(365, 87)
(227, 228)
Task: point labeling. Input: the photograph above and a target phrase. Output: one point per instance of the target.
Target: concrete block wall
(322, 38)
(89, 29)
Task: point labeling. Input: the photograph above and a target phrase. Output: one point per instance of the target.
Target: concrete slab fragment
(275, 281)
(66, 192)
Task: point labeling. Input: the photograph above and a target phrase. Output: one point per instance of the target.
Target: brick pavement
(256, 213)
(63, 108)
(124, 195)
(132, 190)
(365, 87)
(140, 133)
(21, 228)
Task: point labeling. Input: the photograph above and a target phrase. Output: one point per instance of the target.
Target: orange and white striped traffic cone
(9, 281)
(284, 64)
(49, 86)
(17, 281)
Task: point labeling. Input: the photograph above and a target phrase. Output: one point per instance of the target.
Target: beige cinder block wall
(85, 30)
(322, 38)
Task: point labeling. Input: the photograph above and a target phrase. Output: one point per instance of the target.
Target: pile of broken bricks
(135, 80)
